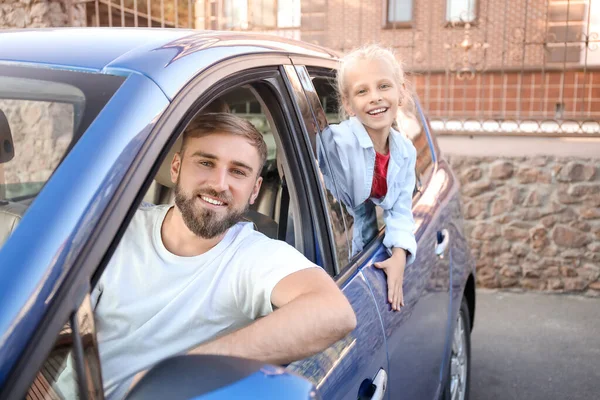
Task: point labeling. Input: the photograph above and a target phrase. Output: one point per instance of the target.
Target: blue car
(89, 120)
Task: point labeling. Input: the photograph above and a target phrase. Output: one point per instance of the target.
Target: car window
(42, 115)
(59, 376)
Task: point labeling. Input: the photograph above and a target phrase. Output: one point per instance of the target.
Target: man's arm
(311, 314)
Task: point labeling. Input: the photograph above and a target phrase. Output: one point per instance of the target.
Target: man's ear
(175, 167)
(256, 190)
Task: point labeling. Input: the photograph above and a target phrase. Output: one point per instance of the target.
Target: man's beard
(203, 222)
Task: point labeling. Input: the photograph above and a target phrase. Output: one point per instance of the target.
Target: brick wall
(422, 44)
(512, 95)
(523, 75)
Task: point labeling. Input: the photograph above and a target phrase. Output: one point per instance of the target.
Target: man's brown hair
(207, 124)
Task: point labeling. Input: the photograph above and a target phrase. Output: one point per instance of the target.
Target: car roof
(170, 57)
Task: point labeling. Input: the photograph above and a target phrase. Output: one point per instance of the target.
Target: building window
(460, 11)
(399, 11)
(288, 13)
(261, 14)
(236, 14)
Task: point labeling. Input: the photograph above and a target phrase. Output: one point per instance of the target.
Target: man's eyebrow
(199, 153)
(243, 165)
(213, 157)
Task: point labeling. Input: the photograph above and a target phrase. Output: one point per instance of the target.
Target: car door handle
(380, 383)
(374, 389)
(443, 238)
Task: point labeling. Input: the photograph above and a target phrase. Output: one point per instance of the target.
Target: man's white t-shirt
(151, 304)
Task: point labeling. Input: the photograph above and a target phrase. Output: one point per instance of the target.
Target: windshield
(43, 112)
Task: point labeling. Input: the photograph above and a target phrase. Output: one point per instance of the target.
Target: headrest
(164, 173)
(7, 150)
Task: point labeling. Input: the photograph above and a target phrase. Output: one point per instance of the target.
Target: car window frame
(321, 217)
(104, 238)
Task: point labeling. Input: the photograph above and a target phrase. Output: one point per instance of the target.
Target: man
(193, 278)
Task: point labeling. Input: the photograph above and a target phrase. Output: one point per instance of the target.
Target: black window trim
(348, 270)
(105, 236)
(320, 216)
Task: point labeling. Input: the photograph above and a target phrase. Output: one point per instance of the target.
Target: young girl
(371, 160)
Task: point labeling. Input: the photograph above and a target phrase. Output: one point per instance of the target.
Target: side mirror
(219, 377)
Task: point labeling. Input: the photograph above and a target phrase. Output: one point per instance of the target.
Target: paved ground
(535, 346)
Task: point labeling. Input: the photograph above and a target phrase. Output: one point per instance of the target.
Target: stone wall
(532, 222)
(40, 14)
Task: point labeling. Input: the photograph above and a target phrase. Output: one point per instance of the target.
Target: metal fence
(478, 66)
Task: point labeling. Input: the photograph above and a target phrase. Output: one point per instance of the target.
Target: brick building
(471, 59)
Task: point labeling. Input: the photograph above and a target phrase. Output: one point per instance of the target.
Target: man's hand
(394, 269)
(311, 314)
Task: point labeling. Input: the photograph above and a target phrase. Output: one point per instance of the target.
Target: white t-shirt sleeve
(263, 265)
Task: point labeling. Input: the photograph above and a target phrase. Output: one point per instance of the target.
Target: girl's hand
(394, 269)
(136, 379)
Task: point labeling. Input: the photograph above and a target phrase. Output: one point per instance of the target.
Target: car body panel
(173, 63)
(70, 48)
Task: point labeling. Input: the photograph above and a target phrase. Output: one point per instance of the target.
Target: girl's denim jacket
(347, 159)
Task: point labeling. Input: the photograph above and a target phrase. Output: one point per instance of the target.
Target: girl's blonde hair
(373, 52)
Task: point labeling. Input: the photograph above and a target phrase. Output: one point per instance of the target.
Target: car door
(416, 336)
(136, 129)
(357, 365)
